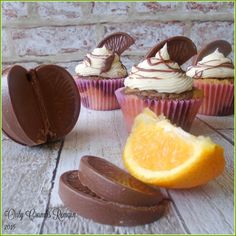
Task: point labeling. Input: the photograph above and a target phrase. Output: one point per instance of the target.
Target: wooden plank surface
(102, 134)
(26, 184)
(29, 180)
(218, 122)
(228, 133)
(209, 209)
(224, 125)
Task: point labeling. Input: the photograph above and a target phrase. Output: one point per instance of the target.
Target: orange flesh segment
(166, 151)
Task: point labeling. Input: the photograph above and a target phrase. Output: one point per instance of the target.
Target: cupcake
(213, 72)
(160, 84)
(101, 73)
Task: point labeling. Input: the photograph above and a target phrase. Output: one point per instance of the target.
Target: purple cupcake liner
(179, 112)
(99, 94)
(218, 99)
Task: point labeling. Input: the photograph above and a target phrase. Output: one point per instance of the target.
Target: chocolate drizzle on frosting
(87, 60)
(152, 63)
(155, 70)
(199, 74)
(159, 73)
(102, 62)
(215, 65)
(108, 63)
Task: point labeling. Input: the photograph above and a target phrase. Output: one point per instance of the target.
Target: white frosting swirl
(101, 62)
(159, 73)
(215, 65)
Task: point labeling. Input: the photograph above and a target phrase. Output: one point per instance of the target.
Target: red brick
(5, 46)
(13, 10)
(59, 10)
(53, 40)
(203, 6)
(204, 32)
(229, 7)
(229, 4)
(154, 6)
(110, 8)
(147, 34)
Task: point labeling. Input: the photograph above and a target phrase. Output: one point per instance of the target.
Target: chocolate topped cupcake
(212, 66)
(213, 72)
(159, 77)
(102, 72)
(159, 83)
(101, 63)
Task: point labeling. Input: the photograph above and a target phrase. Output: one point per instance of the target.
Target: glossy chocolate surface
(222, 45)
(180, 49)
(117, 42)
(114, 184)
(39, 105)
(86, 203)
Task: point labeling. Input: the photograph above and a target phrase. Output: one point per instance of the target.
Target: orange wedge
(162, 154)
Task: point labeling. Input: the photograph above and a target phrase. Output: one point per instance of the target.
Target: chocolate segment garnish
(40, 105)
(117, 42)
(180, 49)
(80, 199)
(222, 45)
(114, 184)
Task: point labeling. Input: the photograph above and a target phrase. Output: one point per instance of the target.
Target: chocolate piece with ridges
(83, 201)
(117, 42)
(39, 105)
(222, 45)
(114, 184)
(180, 49)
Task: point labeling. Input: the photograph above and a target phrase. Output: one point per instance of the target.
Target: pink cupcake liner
(179, 112)
(218, 99)
(99, 94)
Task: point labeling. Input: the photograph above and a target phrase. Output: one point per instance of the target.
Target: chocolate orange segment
(39, 105)
(61, 99)
(222, 45)
(83, 201)
(117, 42)
(21, 120)
(114, 184)
(180, 49)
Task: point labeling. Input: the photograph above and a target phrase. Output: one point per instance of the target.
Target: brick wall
(62, 32)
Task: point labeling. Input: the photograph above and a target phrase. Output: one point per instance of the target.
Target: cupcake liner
(179, 112)
(218, 98)
(99, 94)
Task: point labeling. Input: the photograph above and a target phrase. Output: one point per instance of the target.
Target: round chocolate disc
(83, 201)
(180, 49)
(114, 184)
(117, 42)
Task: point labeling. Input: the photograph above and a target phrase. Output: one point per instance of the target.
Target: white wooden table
(30, 181)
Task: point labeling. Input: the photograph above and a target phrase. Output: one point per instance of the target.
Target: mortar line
(124, 19)
(56, 59)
